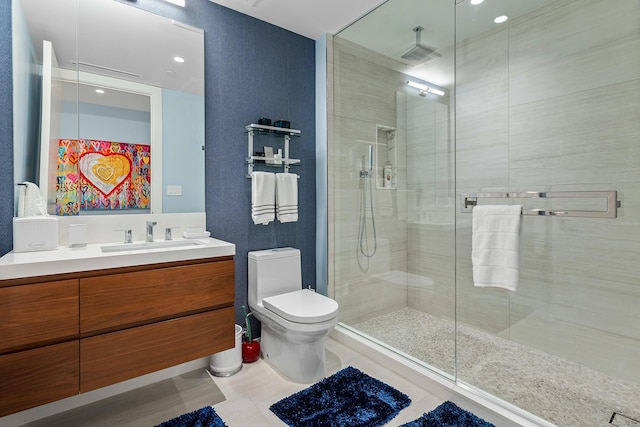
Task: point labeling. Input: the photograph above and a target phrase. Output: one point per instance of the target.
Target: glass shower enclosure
(432, 101)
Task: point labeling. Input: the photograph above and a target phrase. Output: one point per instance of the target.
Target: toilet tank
(273, 272)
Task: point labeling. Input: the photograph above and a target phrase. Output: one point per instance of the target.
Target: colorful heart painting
(104, 172)
(102, 175)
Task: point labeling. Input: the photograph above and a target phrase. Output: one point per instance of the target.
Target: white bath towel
(263, 193)
(495, 249)
(287, 197)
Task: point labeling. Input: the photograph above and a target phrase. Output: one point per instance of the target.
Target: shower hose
(363, 235)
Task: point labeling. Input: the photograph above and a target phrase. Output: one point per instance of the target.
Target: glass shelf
(272, 129)
(263, 160)
(254, 130)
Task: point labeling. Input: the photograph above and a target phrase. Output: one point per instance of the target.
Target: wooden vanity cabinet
(75, 332)
(125, 299)
(34, 377)
(38, 314)
(118, 356)
(139, 322)
(39, 347)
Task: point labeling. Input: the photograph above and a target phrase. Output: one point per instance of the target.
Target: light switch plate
(174, 190)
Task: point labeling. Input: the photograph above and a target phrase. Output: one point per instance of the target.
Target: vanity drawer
(38, 314)
(34, 377)
(110, 358)
(122, 300)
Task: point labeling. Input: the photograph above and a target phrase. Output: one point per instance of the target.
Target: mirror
(121, 119)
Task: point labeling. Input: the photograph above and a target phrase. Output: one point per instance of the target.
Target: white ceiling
(109, 35)
(310, 18)
(384, 26)
(388, 28)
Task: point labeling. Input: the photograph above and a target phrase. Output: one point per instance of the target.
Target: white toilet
(294, 320)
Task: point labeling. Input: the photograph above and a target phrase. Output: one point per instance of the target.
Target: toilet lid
(303, 306)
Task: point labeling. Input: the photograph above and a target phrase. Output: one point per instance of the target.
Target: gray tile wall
(364, 99)
(547, 102)
(550, 102)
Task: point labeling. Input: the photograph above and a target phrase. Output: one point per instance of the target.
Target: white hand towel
(263, 193)
(287, 197)
(495, 249)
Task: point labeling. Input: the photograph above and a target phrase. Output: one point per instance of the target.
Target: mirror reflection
(122, 108)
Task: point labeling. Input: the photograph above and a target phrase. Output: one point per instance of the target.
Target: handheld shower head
(367, 165)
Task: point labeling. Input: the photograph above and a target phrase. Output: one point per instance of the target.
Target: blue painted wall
(253, 70)
(105, 123)
(182, 134)
(182, 155)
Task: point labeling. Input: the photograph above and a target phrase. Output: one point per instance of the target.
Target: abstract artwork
(102, 175)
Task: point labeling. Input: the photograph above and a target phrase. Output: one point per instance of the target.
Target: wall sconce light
(424, 89)
(180, 3)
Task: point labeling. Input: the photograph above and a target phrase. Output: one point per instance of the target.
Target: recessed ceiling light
(474, 2)
(500, 19)
(99, 91)
(178, 59)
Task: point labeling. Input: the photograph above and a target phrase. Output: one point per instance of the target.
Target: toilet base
(298, 362)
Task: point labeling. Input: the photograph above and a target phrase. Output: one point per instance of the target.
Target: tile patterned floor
(558, 390)
(242, 399)
(257, 386)
(145, 406)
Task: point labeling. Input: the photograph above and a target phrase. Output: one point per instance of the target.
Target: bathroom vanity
(75, 320)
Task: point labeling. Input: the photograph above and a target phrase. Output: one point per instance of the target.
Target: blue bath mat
(448, 415)
(349, 398)
(204, 417)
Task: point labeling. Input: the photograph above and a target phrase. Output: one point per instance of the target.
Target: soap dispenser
(388, 175)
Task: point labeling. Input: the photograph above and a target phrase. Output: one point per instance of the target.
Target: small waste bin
(228, 362)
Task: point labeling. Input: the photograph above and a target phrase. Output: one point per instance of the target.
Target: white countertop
(68, 260)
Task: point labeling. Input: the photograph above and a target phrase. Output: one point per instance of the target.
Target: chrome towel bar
(469, 200)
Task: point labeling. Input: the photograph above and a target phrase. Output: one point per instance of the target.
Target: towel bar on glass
(469, 200)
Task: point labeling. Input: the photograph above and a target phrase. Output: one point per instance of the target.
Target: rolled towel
(287, 197)
(495, 253)
(263, 190)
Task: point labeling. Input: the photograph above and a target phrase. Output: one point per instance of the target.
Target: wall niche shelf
(386, 159)
(254, 130)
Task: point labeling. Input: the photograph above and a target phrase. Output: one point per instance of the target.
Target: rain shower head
(420, 53)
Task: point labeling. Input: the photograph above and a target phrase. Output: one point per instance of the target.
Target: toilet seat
(302, 306)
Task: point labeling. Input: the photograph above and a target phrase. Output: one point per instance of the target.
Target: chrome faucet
(150, 225)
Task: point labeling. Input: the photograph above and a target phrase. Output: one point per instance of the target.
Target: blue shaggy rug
(204, 417)
(448, 415)
(348, 398)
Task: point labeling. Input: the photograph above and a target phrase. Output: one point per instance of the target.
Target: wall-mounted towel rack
(285, 162)
(469, 200)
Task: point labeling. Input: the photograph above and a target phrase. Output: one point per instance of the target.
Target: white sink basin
(145, 246)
